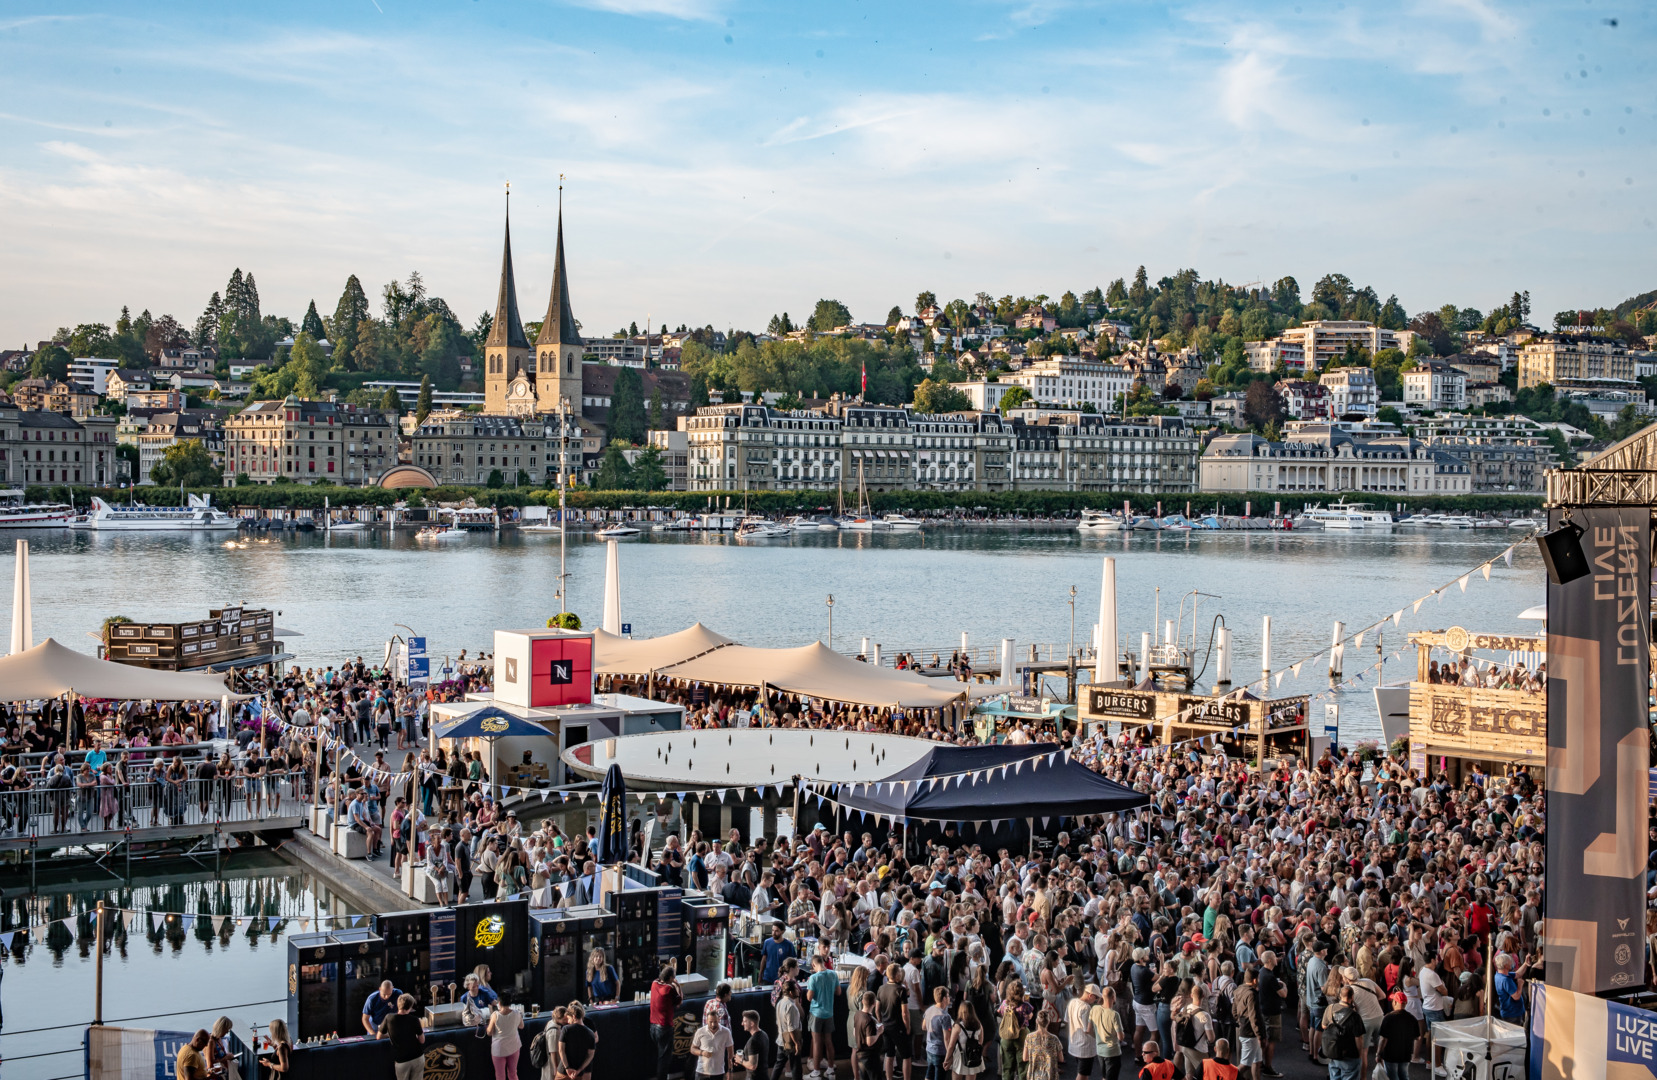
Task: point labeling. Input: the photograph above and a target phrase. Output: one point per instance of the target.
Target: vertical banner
(1598, 755)
(1577, 1037)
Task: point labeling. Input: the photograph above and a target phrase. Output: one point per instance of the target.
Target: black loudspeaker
(1563, 554)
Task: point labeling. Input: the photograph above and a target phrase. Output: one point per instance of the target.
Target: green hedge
(1047, 503)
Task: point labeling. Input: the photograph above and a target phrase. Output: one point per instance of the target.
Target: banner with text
(1598, 630)
(1577, 1037)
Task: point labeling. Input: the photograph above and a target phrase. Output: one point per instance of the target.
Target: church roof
(558, 328)
(508, 328)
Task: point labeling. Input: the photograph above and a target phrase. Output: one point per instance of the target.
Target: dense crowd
(1331, 911)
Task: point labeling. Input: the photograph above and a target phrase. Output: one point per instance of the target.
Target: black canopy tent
(1032, 783)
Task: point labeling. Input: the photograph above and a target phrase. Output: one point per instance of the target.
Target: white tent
(613, 655)
(816, 671)
(50, 670)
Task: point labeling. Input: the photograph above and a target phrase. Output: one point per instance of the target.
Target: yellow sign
(490, 932)
(493, 724)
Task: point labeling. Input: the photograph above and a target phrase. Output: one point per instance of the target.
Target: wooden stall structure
(1454, 726)
(227, 634)
(1237, 718)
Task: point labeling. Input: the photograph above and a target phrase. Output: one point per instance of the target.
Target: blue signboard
(626, 628)
(419, 665)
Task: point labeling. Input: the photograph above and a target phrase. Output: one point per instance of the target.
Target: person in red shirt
(664, 1006)
(1479, 916)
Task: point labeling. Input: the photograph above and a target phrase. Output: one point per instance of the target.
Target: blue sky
(728, 160)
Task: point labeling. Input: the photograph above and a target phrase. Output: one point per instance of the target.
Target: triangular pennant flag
(1418, 604)
(1044, 821)
(155, 923)
(1507, 556)
(974, 779)
(1486, 569)
(1018, 766)
(1398, 616)
(1463, 582)
(1296, 669)
(271, 922)
(1358, 642)
(1279, 678)
(40, 934)
(6, 939)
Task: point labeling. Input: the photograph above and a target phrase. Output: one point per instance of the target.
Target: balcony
(1479, 723)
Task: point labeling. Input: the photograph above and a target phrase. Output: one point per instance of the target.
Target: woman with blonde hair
(280, 1060)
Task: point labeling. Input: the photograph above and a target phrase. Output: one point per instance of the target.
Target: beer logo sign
(493, 725)
(293, 978)
(490, 932)
(445, 1062)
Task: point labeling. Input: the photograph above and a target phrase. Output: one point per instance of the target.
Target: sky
(725, 161)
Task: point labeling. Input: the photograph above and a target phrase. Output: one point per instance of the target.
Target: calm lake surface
(168, 977)
(347, 592)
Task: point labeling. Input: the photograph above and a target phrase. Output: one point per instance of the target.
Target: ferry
(1098, 521)
(1346, 515)
(16, 514)
(197, 516)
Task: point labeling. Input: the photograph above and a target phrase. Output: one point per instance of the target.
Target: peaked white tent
(613, 655)
(51, 670)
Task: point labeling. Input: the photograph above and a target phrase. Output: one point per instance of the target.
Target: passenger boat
(16, 514)
(197, 516)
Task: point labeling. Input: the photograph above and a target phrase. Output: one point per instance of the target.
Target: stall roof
(1036, 780)
(816, 671)
(615, 655)
(50, 670)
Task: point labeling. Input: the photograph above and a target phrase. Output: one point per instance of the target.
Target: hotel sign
(1132, 704)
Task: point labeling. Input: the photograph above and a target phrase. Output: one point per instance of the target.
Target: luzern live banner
(1598, 751)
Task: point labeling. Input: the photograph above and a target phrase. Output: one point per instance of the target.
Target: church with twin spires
(524, 379)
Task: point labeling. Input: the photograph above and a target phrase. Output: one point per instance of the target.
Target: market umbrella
(612, 818)
(489, 723)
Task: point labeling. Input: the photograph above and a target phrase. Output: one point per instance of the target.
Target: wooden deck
(45, 842)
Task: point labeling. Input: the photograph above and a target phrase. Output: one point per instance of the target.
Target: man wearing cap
(1078, 1021)
(1399, 1034)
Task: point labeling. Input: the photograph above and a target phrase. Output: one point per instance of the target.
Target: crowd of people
(1328, 910)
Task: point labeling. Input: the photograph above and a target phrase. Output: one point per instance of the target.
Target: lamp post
(831, 620)
(1072, 620)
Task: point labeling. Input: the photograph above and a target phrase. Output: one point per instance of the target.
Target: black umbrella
(612, 819)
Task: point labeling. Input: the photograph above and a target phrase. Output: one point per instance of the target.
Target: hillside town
(1181, 386)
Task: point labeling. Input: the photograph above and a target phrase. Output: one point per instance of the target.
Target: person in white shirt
(713, 1047)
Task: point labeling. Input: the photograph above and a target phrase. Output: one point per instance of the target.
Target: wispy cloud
(687, 10)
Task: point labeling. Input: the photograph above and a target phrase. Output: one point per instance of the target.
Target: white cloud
(688, 10)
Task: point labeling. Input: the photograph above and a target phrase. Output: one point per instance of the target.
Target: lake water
(346, 593)
(162, 976)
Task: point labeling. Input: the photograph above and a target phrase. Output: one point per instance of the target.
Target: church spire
(558, 328)
(508, 329)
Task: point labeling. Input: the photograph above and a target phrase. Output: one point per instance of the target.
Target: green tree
(925, 299)
(351, 310)
(657, 416)
(894, 315)
(309, 366)
(614, 474)
(1628, 421)
(312, 323)
(1262, 405)
(423, 407)
(698, 397)
(186, 463)
(829, 314)
(1388, 365)
(627, 418)
(935, 396)
(648, 473)
(1014, 397)
(1386, 414)
(496, 479)
(391, 401)
(565, 620)
(52, 362)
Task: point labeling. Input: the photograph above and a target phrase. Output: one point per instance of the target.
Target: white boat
(1345, 515)
(1412, 521)
(678, 524)
(345, 526)
(1098, 521)
(1175, 523)
(542, 528)
(198, 516)
(1524, 523)
(16, 514)
(862, 524)
(617, 531)
(1489, 523)
(758, 528)
(801, 523)
(1458, 521)
(899, 523)
(441, 532)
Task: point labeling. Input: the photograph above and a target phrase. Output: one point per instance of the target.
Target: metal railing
(983, 656)
(154, 802)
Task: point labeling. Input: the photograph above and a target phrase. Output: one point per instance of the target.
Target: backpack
(972, 1049)
(539, 1052)
(1186, 1033)
(1348, 1032)
(1010, 1027)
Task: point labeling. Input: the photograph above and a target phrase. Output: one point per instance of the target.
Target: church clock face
(521, 390)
